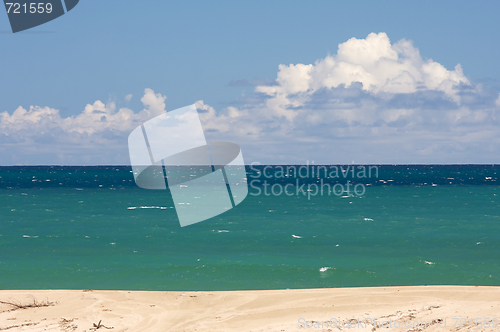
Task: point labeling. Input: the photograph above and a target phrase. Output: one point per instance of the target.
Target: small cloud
(497, 102)
(155, 103)
(128, 97)
(252, 83)
(239, 83)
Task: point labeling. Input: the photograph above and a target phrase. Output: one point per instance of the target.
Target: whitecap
(147, 207)
(222, 231)
(297, 237)
(368, 219)
(323, 269)
(430, 263)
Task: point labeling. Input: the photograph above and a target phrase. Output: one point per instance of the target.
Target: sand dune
(419, 308)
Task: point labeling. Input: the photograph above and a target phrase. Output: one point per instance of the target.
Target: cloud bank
(98, 135)
(371, 102)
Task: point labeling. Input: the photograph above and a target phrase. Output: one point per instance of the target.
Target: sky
(291, 82)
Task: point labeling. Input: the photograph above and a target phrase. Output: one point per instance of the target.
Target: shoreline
(254, 310)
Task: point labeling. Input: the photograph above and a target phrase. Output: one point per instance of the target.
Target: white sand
(277, 310)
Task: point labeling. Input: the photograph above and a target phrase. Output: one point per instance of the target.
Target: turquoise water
(91, 227)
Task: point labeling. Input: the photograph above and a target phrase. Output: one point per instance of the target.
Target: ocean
(67, 227)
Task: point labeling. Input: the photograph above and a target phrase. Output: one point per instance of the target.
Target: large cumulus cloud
(372, 102)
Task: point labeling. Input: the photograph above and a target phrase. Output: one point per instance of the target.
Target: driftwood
(35, 304)
(99, 325)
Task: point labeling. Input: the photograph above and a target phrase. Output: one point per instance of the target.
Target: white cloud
(381, 70)
(228, 121)
(372, 102)
(155, 103)
(98, 133)
(376, 64)
(128, 97)
(95, 118)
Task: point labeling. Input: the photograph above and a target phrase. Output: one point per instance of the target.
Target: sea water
(93, 228)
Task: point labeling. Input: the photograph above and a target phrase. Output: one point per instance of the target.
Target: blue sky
(220, 52)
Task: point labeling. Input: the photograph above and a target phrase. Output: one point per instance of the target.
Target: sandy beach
(415, 308)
